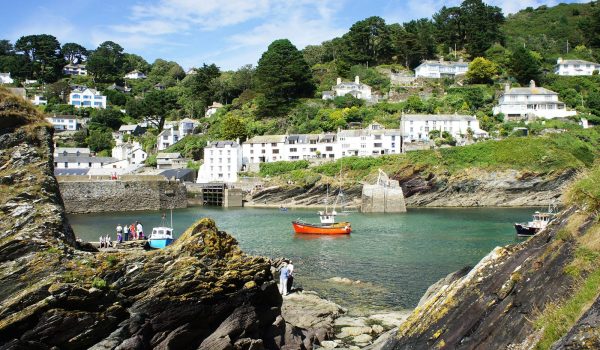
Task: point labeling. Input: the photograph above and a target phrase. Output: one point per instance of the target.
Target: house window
(293, 149)
(329, 148)
(377, 137)
(273, 145)
(363, 145)
(275, 151)
(377, 145)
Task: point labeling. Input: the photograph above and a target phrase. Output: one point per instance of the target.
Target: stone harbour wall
(92, 196)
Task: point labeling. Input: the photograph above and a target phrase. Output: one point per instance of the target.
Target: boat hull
(342, 228)
(160, 243)
(525, 231)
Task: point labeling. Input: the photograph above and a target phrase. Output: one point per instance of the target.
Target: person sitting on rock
(108, 241)
(101, 240)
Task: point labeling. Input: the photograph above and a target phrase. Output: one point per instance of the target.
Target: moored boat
(340, 228)
(160, 237)
(540, 221)
(328, 226)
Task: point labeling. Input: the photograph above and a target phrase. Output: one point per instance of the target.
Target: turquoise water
(395, 256)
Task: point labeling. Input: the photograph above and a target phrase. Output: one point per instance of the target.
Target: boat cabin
(162, 233)
(327, 217)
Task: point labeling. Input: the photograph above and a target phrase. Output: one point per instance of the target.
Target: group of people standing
(124, 233)
(286, 277)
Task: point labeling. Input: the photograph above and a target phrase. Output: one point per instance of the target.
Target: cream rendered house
(524, 102)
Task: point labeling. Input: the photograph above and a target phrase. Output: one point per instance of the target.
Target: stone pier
(385, 196)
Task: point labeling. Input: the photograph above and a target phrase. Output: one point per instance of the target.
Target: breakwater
(84, 195)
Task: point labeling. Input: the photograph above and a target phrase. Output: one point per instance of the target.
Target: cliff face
(202, 292)
(502, 302)
(470, 188)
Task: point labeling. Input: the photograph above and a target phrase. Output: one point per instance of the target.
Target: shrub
(98, 283)
(276, 168)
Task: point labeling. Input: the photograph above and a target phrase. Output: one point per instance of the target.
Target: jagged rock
(391, 319)
(443, 283)
(350, 321)
(55, 292)
(493, 305)
(329, 344)
(346, 332)
(585, 334)
(362, 339)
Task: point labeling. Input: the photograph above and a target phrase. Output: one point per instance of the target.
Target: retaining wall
(91, 196)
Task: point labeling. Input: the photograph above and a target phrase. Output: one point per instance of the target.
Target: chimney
(238, 140)
(506, 87)
(532, 84)
(207, 143)
(339, 81)
(357, 79)
(559, 60)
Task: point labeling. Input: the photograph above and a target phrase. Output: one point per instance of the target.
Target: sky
(229, 33)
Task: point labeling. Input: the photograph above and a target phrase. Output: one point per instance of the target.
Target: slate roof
(222, 144)
(267, 139)
(84, 159)
(436, 117)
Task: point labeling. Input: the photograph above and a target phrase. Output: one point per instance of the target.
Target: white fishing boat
(161, 236)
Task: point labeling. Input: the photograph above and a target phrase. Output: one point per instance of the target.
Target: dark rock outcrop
(494, 305)
(202, 292)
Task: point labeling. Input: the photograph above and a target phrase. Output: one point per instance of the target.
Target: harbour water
(395, 257)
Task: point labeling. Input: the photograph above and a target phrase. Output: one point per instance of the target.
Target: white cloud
(247, 27)
(44, 21)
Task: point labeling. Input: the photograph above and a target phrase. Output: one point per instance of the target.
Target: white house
(6, 79)
(187, 126)
(266, 148)
(87, 98)
(441, 69)
(167, 138)
(65, 122)
(222, 162)
(416, 127)
(75, 69)
(212, 109)
(170, 161)
(39, 101)
(309, 146)
(87, 162)
(355, 88)
(575, 67)
(71, 152)
(532, 101)
(370, 141)
(132, 129)
(132, 152)
(135, 74)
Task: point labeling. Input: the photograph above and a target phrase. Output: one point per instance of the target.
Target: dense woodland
(282, 93)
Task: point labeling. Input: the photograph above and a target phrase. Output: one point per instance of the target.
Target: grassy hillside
(547, 29)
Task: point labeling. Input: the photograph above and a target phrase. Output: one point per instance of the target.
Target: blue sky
(229, 33)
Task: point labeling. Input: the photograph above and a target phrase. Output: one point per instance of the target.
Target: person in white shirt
(140, 230)
(290, 280)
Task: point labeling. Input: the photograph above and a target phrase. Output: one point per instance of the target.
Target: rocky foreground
(56, 293)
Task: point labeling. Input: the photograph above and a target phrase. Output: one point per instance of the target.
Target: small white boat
(161, 236)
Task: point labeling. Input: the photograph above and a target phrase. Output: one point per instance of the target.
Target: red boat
(339, 228)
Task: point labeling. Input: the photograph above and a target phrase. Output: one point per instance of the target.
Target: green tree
(524, 66)
(106, 62)
(283, 76)
(43, 51)
(313, 54)
(233, 127)
(473, 26)
(106, 118)
(100, 140)
(199, 86)
(368, 42)
(74, 53)
(133, 62)
(481, 71)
